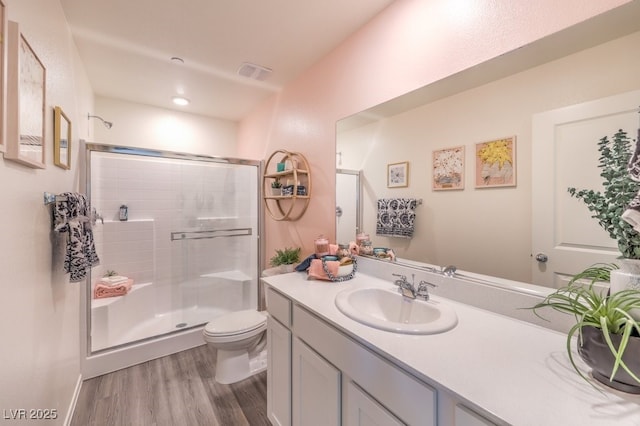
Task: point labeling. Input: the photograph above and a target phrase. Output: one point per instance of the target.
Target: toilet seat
(245, 322)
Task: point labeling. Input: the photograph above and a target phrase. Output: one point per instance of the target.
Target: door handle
(542, 258)
(338, 211)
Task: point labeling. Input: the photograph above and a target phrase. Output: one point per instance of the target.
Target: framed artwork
(26, 88)
(496, 163)
(61, 139)
(3, 72)
(448, 169)
(398, 175)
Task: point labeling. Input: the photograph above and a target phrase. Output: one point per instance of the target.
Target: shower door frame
(95, 363)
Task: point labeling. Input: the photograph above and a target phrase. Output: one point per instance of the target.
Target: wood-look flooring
(178, 389)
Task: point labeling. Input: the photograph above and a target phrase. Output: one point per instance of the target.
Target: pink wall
(410, 44)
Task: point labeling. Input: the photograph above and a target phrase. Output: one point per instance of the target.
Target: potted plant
(286, 259)
(620, 188)
(276, 187)
(612, 207)
(607, 335)
(607, 323)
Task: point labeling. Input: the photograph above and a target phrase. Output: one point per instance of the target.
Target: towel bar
(50, 198)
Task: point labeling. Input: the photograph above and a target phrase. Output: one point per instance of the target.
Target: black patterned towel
(71, 215)
(396, 217)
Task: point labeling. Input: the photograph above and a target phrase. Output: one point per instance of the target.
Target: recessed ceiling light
(179, 100)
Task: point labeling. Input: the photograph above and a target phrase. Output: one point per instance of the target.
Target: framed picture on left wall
(3, 73)
(26, 89)
(61, 139)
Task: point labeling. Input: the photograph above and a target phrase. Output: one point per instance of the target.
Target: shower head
(107, 124)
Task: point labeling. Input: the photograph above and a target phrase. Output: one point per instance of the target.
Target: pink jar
(322, 247)
(362, 237)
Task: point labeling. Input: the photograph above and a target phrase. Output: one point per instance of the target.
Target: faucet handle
(402, 280)
(424, 284)
(423, 289)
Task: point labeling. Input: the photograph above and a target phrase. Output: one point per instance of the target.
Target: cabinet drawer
(407, 398)
(279, 307)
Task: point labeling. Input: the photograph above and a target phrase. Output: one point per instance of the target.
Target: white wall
(39, 308)
(410, 44)
(481, 230)
(144, 126)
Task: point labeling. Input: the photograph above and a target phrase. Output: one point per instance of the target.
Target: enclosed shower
(185, 230)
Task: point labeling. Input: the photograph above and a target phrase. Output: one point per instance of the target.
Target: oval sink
(388, 310)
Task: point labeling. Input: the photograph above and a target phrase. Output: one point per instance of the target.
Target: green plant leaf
(592, 307)
(287, 256)
(619, 190)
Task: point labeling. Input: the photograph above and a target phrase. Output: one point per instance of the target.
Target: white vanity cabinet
(334, 379)
(325, 368)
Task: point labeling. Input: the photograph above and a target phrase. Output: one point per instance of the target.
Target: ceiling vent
(254, 71)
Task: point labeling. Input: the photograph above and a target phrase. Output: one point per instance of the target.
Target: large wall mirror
(490, 230)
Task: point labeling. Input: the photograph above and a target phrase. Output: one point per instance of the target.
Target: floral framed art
(496, 163)
(26, 81)
(398, 175)
(448, 169)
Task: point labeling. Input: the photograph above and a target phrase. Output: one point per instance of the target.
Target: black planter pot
(595, 352)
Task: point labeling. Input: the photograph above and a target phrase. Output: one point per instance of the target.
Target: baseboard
(136, 353)
(74, 401)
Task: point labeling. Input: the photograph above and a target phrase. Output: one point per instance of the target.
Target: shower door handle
(212, 233)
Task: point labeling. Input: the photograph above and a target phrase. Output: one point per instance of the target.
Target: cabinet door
(278, 373)
(316, 388)
(466, 417)
(360, 409)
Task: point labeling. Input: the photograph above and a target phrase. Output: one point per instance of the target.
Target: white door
(347, 205)
(565, 154)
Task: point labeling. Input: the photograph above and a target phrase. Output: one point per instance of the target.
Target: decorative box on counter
(288, 190)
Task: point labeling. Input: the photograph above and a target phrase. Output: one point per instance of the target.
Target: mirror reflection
(483, 230)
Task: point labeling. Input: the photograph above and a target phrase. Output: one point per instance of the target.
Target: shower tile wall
(164, 197)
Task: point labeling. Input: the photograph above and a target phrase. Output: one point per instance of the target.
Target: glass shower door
(189, 244)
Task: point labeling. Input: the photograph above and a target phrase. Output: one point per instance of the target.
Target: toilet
(240, 339)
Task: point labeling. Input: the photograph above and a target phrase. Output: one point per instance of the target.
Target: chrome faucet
(449, 271)
(409, 290)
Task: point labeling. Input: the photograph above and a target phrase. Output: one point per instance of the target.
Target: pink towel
(104, 290)
(354, 248)
(317, 271)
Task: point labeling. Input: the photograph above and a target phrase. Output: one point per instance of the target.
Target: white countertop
(517, 371)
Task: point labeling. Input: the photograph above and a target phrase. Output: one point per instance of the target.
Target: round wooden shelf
(287, 207)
